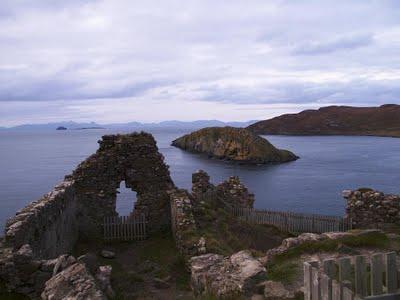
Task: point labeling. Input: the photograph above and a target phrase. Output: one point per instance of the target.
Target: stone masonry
(133, 158)
(372, 209)
(49, 227)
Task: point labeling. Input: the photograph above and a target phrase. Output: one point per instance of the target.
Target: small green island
(234, 144)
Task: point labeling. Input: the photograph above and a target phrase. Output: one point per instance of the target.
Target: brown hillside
(335, 120)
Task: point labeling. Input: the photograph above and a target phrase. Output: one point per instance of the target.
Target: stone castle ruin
(77, 206)
(33, 259)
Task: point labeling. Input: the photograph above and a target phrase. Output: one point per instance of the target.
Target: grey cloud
(259, 52)
(341, 43)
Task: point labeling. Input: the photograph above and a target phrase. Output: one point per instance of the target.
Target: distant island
(235, 144)
(61, 128)
(335, 120)
(94, 127)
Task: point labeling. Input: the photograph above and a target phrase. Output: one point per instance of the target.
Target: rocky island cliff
(335, 120)
(235, 144)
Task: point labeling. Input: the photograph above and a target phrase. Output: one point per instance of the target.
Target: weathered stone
(371, 209)
(226, 277)
(276, 291)
(75, 282)
(63, 262)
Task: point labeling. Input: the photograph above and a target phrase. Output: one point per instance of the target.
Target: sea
(32, 162)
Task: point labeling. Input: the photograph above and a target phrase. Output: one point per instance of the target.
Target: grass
(226, 234)
(127, 277)
(285, 272)
(372, 240)
(284, 267)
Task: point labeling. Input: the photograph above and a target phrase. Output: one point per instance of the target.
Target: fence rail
(293, 222)
(353, 278)
(125, 228)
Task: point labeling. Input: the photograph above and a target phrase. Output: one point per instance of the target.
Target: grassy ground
(137, 264)
(288, 267)
(226, 234)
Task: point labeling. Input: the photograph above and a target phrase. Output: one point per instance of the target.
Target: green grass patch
(285, 272)
(373, 240)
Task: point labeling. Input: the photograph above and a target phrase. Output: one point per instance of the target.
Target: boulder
(75, 283)
(226, 277)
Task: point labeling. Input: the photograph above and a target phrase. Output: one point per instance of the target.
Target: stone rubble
(372, 209)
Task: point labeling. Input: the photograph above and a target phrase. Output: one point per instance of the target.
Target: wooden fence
(353, 278)
(125, 228)
(293, 222)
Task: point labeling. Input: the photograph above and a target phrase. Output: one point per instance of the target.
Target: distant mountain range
(335, 120)
(134, 125)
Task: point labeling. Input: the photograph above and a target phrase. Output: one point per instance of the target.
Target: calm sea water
(33, 162)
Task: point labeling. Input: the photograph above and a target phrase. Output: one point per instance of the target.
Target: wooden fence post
(361, 279)
(376, 274)
(391, 272)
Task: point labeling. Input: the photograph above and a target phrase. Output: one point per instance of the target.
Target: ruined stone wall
(230, 192)
(185, 206)
(49, 225)
(184, 229)
(133, 158)
(77, 206)
(372, 209)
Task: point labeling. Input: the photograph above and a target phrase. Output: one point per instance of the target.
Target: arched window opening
(126, 199)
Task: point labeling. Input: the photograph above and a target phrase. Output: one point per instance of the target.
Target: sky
(148, 61)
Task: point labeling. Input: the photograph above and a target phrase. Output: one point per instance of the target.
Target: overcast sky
(118, 61)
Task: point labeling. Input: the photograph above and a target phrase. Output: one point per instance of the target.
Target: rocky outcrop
(226, 277)
(75, 282)
(57, 278)
(335, 120)
(235, 144)
(24, 274)
(372, 209)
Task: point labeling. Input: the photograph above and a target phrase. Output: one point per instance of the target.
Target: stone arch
(133, 158)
